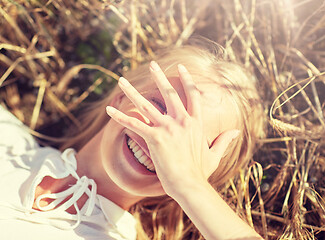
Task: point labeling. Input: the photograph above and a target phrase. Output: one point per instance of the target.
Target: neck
(88, 164)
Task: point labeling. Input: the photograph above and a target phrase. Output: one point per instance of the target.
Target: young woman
(179, 128)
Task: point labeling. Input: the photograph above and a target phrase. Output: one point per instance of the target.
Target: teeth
(136, 148)
(140, 155)
(131, 143)
(143, 159)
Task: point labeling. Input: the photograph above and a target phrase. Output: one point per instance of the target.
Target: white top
(23, 166)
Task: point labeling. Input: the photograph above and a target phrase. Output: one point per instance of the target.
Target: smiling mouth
(139, 155)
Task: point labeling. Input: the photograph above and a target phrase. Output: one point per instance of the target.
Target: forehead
(219, 110)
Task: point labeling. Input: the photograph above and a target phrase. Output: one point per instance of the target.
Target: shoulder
(14, 134)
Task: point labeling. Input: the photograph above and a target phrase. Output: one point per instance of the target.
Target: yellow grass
(281, 193)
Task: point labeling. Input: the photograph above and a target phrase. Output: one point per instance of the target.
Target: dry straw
(281, 194)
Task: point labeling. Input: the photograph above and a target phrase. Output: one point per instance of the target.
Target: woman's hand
(176, 140)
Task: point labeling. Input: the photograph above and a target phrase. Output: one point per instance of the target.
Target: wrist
(182, 189)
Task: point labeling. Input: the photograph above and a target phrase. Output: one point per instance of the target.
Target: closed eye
(160, 105)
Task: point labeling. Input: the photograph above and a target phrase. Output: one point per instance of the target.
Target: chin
(130, 178)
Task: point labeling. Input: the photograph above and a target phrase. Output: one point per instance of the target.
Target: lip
(138, 167)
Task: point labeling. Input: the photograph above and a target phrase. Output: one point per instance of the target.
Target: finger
(142, 104)
(191, 92)
(131, 123)
(173, 102)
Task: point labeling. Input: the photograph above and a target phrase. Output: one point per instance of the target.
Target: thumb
(218, 149)
(222, 142)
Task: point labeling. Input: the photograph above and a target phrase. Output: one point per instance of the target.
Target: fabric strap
(56, 210)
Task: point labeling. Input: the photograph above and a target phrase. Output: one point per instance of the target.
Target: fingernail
(181, 68)
(110, 110)
(122, 81)
(154, 66)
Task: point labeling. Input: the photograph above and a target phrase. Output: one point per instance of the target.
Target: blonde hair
(161, 217)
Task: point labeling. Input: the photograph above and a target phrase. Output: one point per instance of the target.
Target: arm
(179, 151)
(211, 214)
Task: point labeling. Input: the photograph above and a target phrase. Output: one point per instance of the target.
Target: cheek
(111, 148)
(111, 135)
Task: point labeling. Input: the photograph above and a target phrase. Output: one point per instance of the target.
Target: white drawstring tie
(56, 210)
